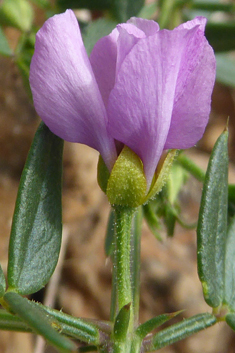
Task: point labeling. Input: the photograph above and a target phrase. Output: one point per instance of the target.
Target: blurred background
(82, 286)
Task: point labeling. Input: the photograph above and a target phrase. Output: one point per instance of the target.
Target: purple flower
(147, 88)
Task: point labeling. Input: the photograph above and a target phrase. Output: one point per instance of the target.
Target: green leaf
(154, 323)
(230, 319)
(11, 322)
(221, 35)
(4, 46)
(96, 30)
(212, 224)
(125, 9)
(229, 280)
(179, 331)
(37, 222)
(82, 329)
(148, 11)
(121, 323)
(36, 319)
(212, 5)
(2, 283)
(24, 53)
(225, 69)
(44, 4)
(16, 13)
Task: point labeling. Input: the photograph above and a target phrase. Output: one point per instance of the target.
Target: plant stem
(191, 167)
(126, 271)
(135, 263)
(122, 258)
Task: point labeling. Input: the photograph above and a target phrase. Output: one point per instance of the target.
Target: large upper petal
(142, 100)
(193, 89)
(65, 92)
(110, 51)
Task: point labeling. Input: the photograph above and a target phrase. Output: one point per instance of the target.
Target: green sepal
(102, 174)
(37, 223)
(4, 46)
(2, 283)
(179, 331)
(121, 323)
(144, 329)
(161, 174)
(127, 184)
(212, 224)
(38, 321)
(16, 13)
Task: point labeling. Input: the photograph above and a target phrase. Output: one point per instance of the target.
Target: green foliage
(4, 46)
(12, 322)
(225, 69)
(221, 35)
(84, 4)
(144, 329)
(229, 271)
(212, 5)
(152, 219)
(96, 30)
(124, 9)
(212, 224)
(2, 283)
(121, 323)
(16, 13)
(37, 226)
(39, 322)
(180, 331)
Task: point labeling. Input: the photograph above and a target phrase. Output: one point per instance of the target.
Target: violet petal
(65, 92)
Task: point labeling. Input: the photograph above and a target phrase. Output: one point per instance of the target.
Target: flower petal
(149, 27)
(142, 100)
(103, 61)
(65, 92)
(193, 89)
(110, 51)
(105, 58)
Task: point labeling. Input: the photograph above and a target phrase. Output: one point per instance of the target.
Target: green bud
(16, 13)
